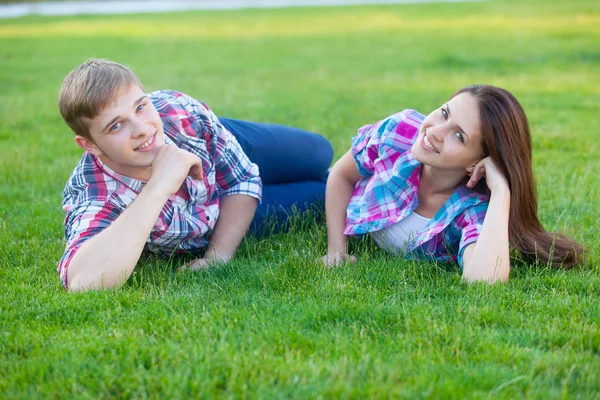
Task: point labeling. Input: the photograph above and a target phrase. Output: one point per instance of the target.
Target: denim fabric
(293, 166)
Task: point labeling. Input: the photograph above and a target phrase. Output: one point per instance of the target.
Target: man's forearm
(108, 259)
(235, 215)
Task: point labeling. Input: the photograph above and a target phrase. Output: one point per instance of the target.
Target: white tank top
(394, 238)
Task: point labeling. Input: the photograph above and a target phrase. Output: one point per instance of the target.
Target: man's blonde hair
(89, 88)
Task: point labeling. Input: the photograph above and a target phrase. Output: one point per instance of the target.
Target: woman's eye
(460, 137)
(139, 108)
(116, 126)
(444, 114)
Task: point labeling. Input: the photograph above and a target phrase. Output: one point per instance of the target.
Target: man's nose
(139, 127)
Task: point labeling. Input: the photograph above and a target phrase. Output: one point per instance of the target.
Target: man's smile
(147, 144)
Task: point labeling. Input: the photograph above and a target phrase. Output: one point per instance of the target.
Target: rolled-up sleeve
(470, 223)
(365, 147)
(235, 173)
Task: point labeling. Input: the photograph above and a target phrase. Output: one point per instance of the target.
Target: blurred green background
(274, 324)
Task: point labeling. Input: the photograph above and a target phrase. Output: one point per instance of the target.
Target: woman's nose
(437, 132)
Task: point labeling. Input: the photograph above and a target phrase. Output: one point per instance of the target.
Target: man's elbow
(86, 282)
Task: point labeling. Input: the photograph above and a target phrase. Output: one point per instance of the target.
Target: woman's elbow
(471, 275)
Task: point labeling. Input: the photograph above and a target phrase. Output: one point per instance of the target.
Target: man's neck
(139, 173)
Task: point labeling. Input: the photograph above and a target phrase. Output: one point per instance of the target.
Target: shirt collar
(405, 182)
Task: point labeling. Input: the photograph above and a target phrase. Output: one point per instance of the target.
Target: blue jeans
(293, 166)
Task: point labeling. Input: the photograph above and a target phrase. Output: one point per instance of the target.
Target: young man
(162, 173)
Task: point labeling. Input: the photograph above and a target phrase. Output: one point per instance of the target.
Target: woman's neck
(435, 181)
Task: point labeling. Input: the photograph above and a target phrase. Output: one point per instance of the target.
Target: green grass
(273, 323)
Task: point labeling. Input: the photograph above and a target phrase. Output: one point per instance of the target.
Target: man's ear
(88, 145)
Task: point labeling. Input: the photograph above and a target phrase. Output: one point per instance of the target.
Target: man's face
(127, 134)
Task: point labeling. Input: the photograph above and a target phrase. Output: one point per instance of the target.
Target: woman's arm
(340, 185)
(488, 258)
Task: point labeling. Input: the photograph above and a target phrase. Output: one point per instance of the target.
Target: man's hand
(209, 260)
(170, 167)
(196, 264)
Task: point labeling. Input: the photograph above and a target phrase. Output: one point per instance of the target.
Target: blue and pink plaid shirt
(389, 192)
(95, 195)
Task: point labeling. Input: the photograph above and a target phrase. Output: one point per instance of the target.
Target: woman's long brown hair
(507, 140)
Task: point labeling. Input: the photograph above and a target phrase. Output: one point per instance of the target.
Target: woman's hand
(337, 258)
(494, 178)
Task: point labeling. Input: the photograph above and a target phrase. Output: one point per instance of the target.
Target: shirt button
(208, 218)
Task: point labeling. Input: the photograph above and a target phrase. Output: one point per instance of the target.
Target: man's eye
(139, 108)
(116, 126)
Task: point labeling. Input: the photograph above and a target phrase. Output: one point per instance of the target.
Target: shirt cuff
(251, 187)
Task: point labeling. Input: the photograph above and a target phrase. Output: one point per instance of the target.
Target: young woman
(455, 185)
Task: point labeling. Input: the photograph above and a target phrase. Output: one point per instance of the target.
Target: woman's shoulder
(401, 128)
(410, 117)
(404, 123)
(406, 119)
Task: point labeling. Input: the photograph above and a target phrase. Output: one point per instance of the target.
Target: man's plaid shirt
(95, 195)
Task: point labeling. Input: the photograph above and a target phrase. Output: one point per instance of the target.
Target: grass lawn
(273, 323)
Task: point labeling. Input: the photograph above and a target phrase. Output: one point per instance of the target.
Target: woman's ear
(88, 145)
(471, 167)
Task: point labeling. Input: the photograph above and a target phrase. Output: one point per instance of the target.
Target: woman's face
(450, 137)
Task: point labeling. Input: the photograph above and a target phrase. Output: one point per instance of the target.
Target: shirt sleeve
(234, 172)
(393, 135)
(83, 222)
(365, 147)
(470, 223)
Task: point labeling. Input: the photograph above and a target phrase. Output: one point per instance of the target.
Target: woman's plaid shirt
(389, 192)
